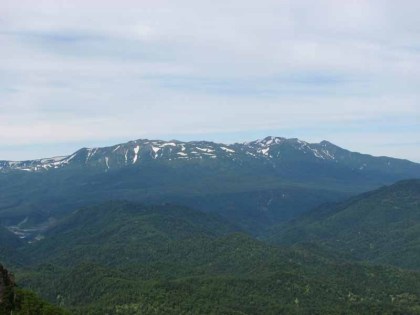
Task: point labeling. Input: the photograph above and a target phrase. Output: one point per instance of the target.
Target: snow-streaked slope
(272, 150)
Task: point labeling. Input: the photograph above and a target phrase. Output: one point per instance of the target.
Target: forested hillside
(125, 258)
(382, 226)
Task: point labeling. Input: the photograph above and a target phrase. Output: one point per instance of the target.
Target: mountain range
(254, 184)
(272, 226)
(270, 150)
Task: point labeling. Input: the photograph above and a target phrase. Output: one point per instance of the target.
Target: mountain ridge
(380, 226)
(257, 183)
(132, 152)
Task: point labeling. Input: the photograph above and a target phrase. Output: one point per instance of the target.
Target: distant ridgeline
(254, 184)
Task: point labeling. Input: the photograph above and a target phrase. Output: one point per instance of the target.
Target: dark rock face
(7, 284)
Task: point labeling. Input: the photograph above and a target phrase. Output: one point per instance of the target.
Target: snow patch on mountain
(136, 152)
(269, 148)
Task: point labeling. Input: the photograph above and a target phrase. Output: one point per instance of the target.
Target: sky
(93, 73)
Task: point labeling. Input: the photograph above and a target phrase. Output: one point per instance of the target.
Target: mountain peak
(267, 141)
(274, 150)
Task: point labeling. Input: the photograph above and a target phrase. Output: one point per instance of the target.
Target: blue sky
(91, 73)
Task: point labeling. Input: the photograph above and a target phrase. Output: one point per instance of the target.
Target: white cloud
(92, 71)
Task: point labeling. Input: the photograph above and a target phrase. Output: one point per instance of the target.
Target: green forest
(129, 258)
